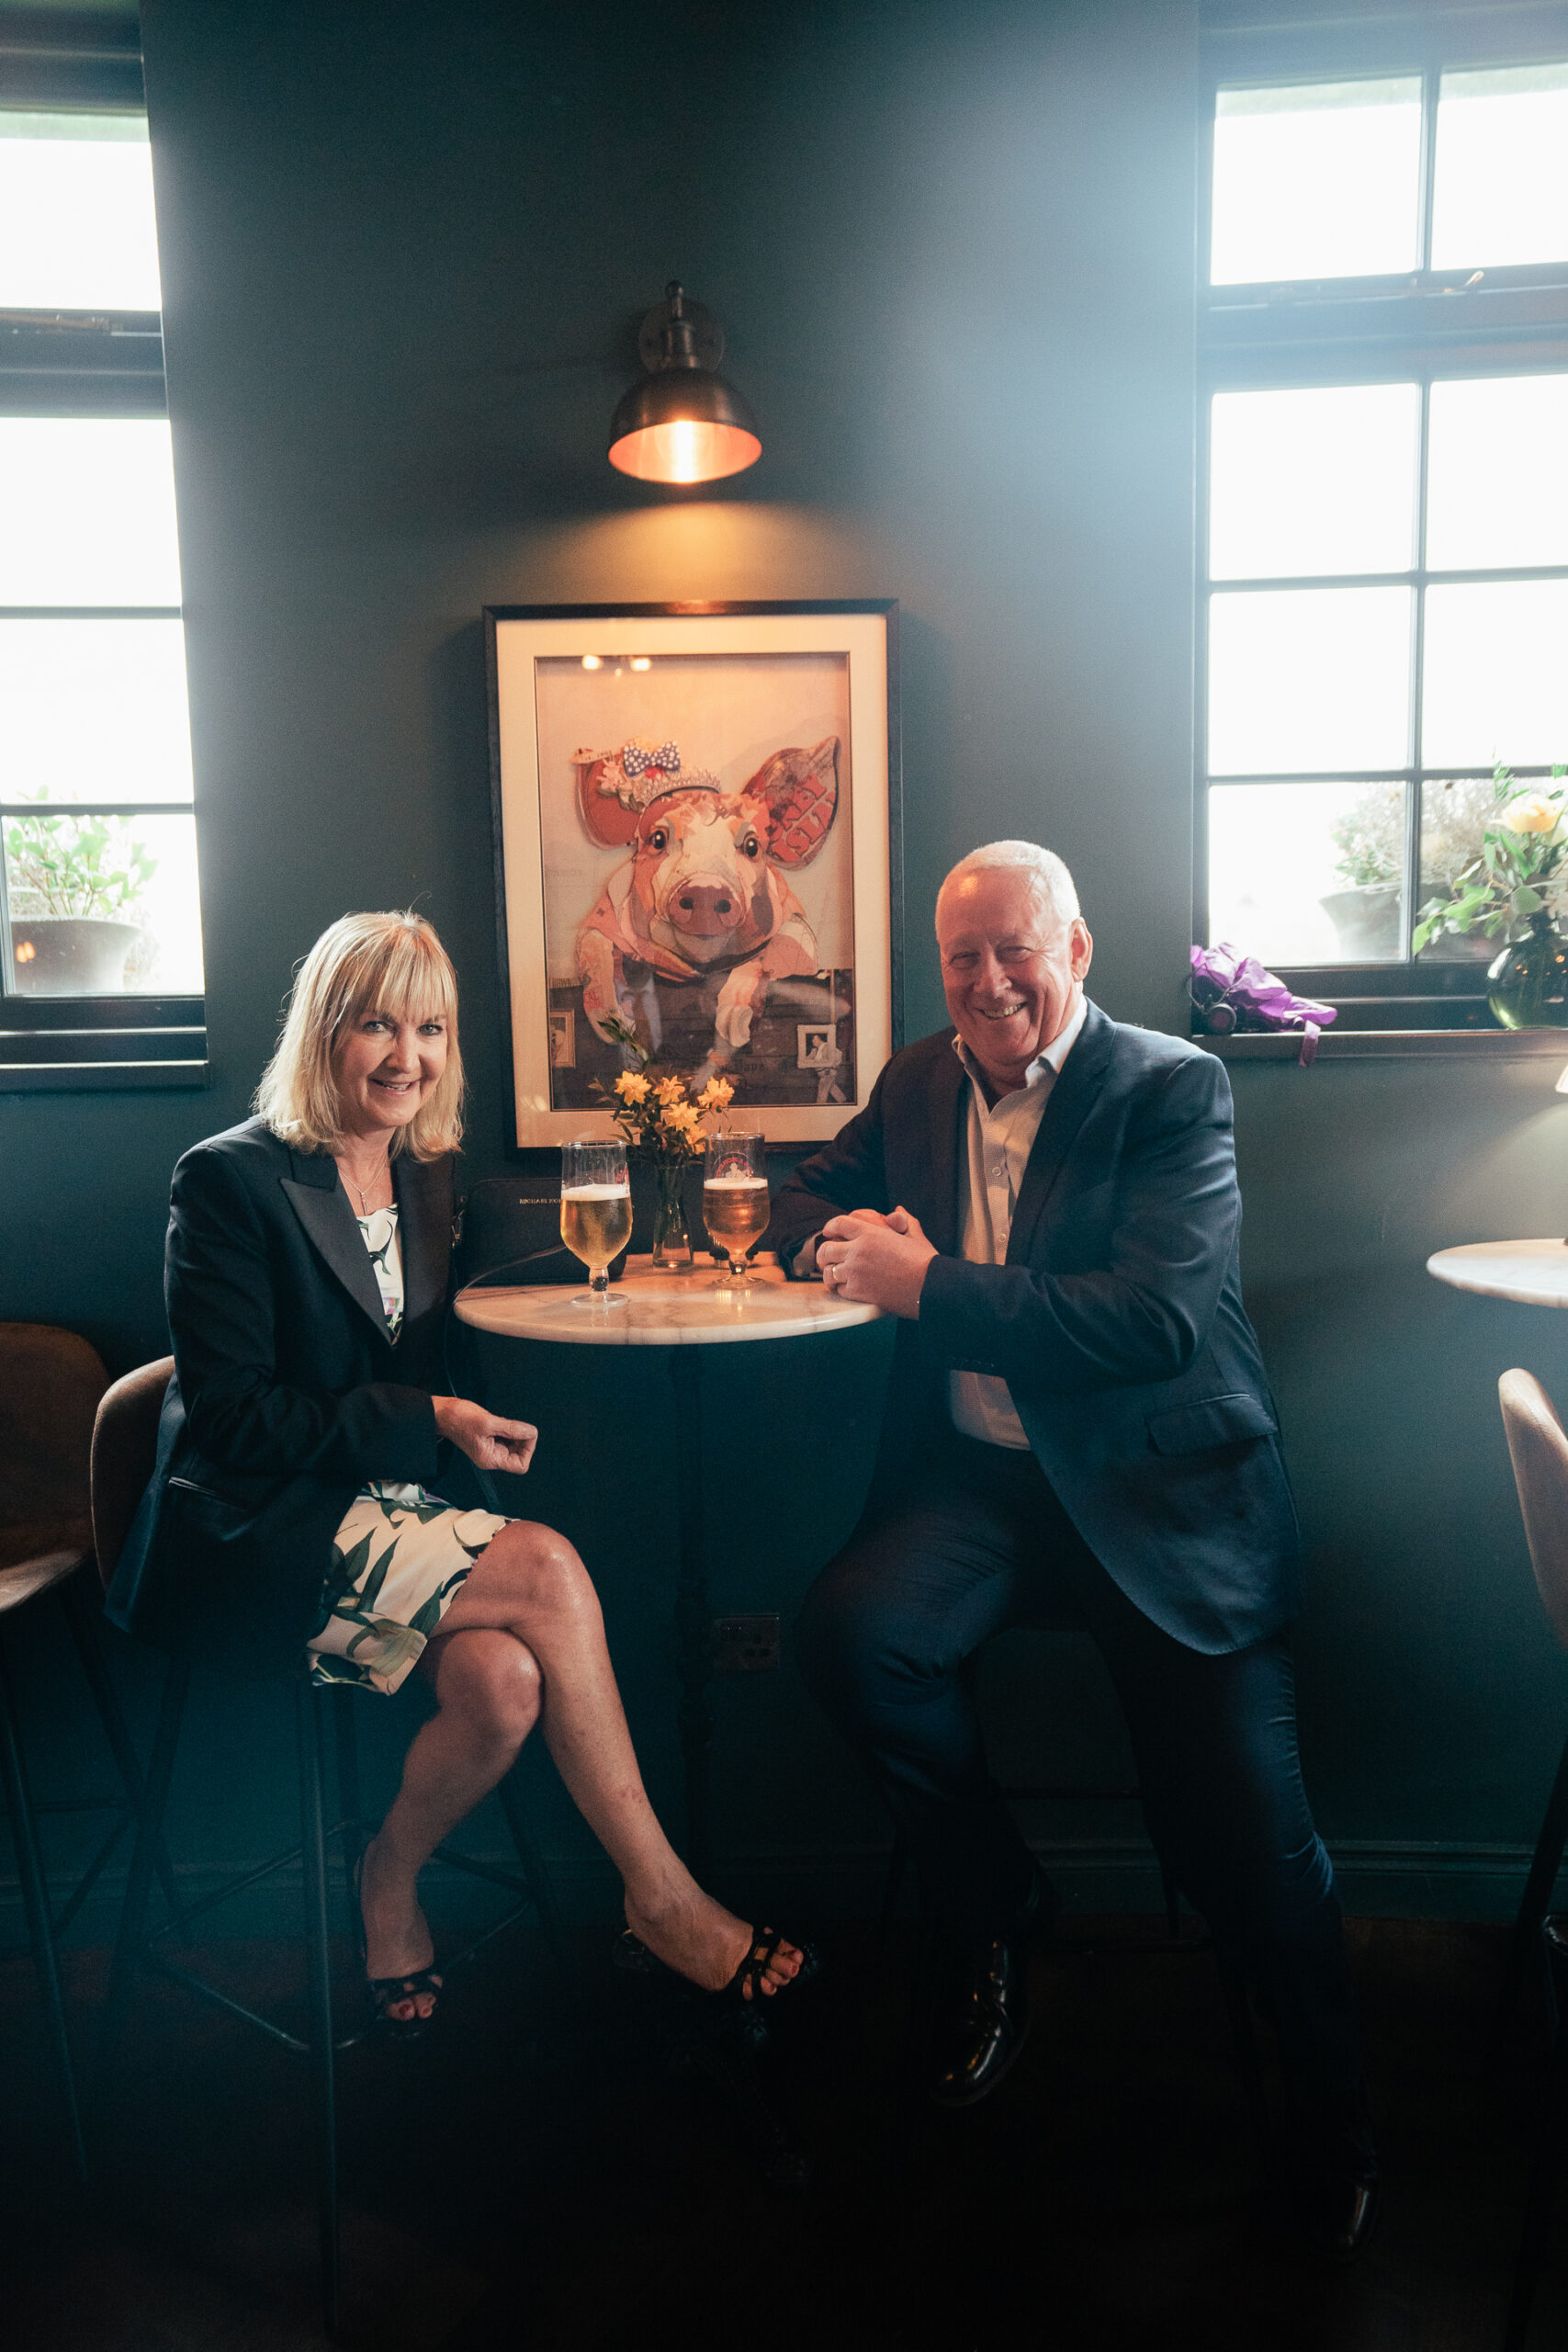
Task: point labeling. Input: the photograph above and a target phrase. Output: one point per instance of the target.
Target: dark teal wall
(405, 251)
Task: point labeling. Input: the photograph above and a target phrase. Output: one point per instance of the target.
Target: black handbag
(509, 1232)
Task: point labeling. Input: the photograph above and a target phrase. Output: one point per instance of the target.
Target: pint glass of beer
(735, 1199)
(595, 1212)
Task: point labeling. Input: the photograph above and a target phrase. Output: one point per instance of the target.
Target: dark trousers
(982, 1544)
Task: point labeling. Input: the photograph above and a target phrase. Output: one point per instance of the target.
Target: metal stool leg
(514, 1806)
(1172, 1894)
(35, 1898)
(1544, 2174)
(111, 1715)
(144, 1863)
(323, 2096)
(351, 1831)
(1525, 1943)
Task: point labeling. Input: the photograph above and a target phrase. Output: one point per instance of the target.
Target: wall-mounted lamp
(682, 422)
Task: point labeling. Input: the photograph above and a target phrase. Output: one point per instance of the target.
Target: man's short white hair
(1028, 856)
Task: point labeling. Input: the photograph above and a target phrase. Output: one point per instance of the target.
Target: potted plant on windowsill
(72, 885)
(1515, 890)
(1366, 913)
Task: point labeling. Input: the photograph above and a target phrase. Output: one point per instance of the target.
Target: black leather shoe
(1332, 2185)
(982, 2020)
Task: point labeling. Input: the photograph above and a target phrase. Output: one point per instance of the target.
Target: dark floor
(524, 2180)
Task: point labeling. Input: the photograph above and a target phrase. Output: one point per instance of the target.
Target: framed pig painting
(697, 842)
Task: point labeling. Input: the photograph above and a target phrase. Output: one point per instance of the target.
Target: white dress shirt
(1000, 1140)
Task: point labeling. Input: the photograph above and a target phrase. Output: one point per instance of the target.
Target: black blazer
(287, 1394)
(1116, 1321)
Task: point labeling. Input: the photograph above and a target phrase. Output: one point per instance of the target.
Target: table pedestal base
(694, 1626)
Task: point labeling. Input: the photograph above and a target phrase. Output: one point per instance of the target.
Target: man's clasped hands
(876, 1260)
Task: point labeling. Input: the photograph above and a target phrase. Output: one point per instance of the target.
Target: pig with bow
(703, 890)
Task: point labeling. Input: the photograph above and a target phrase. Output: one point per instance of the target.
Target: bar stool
(50, 1382)
(124, 1447)
(1537, 1447)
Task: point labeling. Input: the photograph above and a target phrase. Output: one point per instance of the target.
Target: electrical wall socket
(745, 1644)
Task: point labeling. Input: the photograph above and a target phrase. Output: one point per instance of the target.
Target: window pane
(1496, 674)
(1308, 873)
(1304, 679)
(76, 229)
(1319, 181)
(1453, 817)
(1305, 482)
(94, 710)
(1497, 474)
(103, 906)
(1501, 194)
(88, 512)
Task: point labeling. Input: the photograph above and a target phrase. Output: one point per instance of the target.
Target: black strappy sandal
(743, 1995)
(386, 1992)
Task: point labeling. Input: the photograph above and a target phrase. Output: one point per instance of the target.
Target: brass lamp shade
(682, 423)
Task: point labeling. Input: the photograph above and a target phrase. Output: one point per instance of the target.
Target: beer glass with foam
(735, 1199)
(595, 1212)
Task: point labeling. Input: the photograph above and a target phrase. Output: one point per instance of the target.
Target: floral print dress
(401, 1553)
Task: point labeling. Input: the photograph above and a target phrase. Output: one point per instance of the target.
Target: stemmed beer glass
(734, 1200)
(595, 1212)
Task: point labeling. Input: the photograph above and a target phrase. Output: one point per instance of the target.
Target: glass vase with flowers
(1517, 890)
(663, 1123)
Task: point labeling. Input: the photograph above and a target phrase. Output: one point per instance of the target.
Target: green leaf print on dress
(380, 1231)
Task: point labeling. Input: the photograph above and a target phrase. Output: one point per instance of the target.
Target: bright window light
(1495, 675)
(1313, 482)
(1497, 474)
(94, 710)
(1501, 192)
(1317, 181)
(1301, 680)
(76, 228)
(88, 512)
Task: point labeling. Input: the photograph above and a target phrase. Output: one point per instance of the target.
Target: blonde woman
(296, 1505)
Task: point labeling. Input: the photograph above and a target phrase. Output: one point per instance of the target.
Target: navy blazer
(1116, 1320)
(287, 1394)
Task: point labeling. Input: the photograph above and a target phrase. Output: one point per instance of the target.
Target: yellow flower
(1532, 812)
(631, 1086)
(716, 1095)
(681, 1117)
(671, 1089)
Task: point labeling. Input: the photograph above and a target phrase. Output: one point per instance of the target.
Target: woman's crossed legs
(522, 1642)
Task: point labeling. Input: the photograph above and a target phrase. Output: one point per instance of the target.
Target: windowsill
(99, 1078)
(1382, 1045)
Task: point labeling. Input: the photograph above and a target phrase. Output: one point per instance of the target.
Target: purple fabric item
(1233, 992)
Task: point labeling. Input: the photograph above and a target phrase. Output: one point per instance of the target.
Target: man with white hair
(1079, 1430)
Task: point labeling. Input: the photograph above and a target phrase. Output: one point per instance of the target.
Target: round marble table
(684, 1315)
(1533, 1272)
(650, 1310)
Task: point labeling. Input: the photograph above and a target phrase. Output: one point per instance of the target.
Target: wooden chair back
(125, 1446)
(1538, 1446)
(50, 1382)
